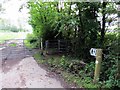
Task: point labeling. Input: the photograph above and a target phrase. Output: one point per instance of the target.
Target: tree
(77, 22)
(107, 9)
(84, 24)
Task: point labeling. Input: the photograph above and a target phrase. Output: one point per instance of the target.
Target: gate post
(59, 45)
(24, 47)
(41, 46)
(46, 46)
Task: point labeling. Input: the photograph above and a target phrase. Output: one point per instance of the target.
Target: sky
(13, 15)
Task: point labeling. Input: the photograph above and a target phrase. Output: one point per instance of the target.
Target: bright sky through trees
(13, 15)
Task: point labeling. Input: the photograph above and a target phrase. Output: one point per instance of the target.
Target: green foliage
(51, 23)
(6, 27)
(13, 44)
(89, 69)
(62, 65)
(82, 83)
(81, 26)
(73, 71)
(31, 41)
(43, 15)
(14, 29)
(63, 62)
(110, 71)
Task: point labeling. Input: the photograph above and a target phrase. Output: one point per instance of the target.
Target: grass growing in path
(13, 45)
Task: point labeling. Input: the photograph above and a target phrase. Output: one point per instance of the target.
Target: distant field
(12, 35)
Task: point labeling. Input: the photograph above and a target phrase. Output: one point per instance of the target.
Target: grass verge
(62, 65)
(13, 44)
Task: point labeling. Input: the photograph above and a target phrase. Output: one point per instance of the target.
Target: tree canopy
(84, 23)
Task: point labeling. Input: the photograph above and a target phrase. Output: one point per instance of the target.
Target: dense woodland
(85, 25)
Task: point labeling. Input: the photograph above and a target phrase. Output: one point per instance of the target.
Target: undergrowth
(71, 70)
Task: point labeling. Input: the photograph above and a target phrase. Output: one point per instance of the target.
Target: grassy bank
(69, 70)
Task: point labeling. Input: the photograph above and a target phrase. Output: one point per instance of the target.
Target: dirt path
(27, 74)
(20, 70)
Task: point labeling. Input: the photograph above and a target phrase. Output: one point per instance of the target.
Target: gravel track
(20, 70)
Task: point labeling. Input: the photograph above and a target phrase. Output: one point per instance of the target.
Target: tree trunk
(103, 23)
(81, 34)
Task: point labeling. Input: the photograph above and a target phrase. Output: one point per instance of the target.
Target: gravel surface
(18, 69)
(27, 74)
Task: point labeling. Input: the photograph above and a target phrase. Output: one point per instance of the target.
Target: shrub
(109, 70)
(31, 41)
(14, 30)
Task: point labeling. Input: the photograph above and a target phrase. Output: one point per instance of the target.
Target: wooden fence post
(98, 65)
(41, 46)
(39, 42)
(59, 45)
(24, 48)
(46, 46)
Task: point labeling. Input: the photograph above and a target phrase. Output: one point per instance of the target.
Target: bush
(14, 30)
(109, 70)
(83, 74)
(31, 41)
